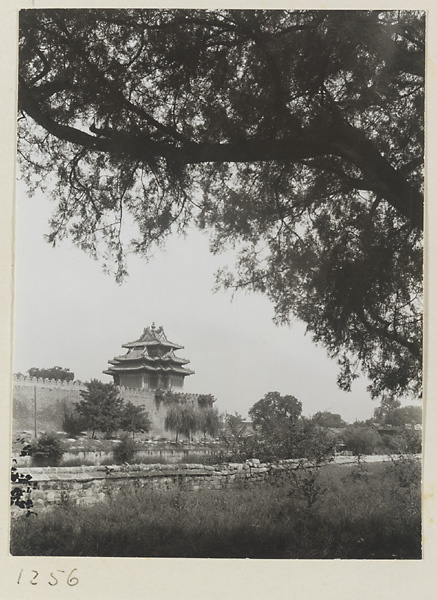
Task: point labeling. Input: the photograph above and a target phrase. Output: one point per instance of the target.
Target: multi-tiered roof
(150, 362)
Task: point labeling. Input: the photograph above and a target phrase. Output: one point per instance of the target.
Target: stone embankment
(92, 484)
(88, 485)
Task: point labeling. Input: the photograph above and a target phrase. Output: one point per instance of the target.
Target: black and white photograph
(218, 284)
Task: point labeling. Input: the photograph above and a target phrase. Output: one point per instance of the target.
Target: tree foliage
(205, 401)
(58, 373)
(403, 441)
(295, 135)
(209, 421)
(275, 418)
(181, 419)
(134, 419)
(125, 450)
(101, 406)
(240, 440)
(73, 423)
(313, 441)
(47, 450)
(361, 440)
(234, 432)
(275, 411)
(279, 432)
(186, 418)
(328, 419)
(392, 413)
(405, 415)
(387, 406)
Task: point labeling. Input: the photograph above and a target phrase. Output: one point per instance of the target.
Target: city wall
(47, 400)
(43, 400)
(89, 485)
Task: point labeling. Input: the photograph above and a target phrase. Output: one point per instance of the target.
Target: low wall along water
(89, 485)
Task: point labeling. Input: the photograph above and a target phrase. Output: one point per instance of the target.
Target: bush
(406, 471)
(73, 423)
(21, 491)
(361, 440)
(408, 441)
(47, 451)
(125, 451)
(306, 486)
(302, 439)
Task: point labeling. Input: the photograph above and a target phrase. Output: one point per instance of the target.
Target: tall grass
(339, 512)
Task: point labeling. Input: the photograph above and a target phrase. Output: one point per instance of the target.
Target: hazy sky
(69, 313)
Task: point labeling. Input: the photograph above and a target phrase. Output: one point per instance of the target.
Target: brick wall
(54, 397)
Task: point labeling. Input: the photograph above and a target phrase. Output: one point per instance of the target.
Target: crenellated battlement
(41, 382)
(25, 380)
(148, 392)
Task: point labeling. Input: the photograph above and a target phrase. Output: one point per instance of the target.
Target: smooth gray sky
(69, 313)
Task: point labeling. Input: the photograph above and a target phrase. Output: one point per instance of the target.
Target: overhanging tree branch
(280, 119)
(336, 140)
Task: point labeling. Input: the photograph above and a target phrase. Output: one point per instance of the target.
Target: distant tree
(52, 373)
(190, 422)
(313, 441)
(234, 430)
(182, 419)
(387, 406)
(73, 423)
(329, 419)
(275, 418)
(404, 415)
(361, 440)
(208, 421)
(285, 437)
(205, 400)
(241, 441)
(135, 419)
(275, 411)
(174, 421)
(404, 441)
(101, 406)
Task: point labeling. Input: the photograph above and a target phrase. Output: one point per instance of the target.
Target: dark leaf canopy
(297, 135)
(273, 410)
(58, 373)
(101, 406)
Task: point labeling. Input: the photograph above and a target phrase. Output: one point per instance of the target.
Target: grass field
(335, 512)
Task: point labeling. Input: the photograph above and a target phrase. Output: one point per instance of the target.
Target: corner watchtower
(150, 362)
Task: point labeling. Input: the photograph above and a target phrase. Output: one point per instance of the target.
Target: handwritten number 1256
(71, 579)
